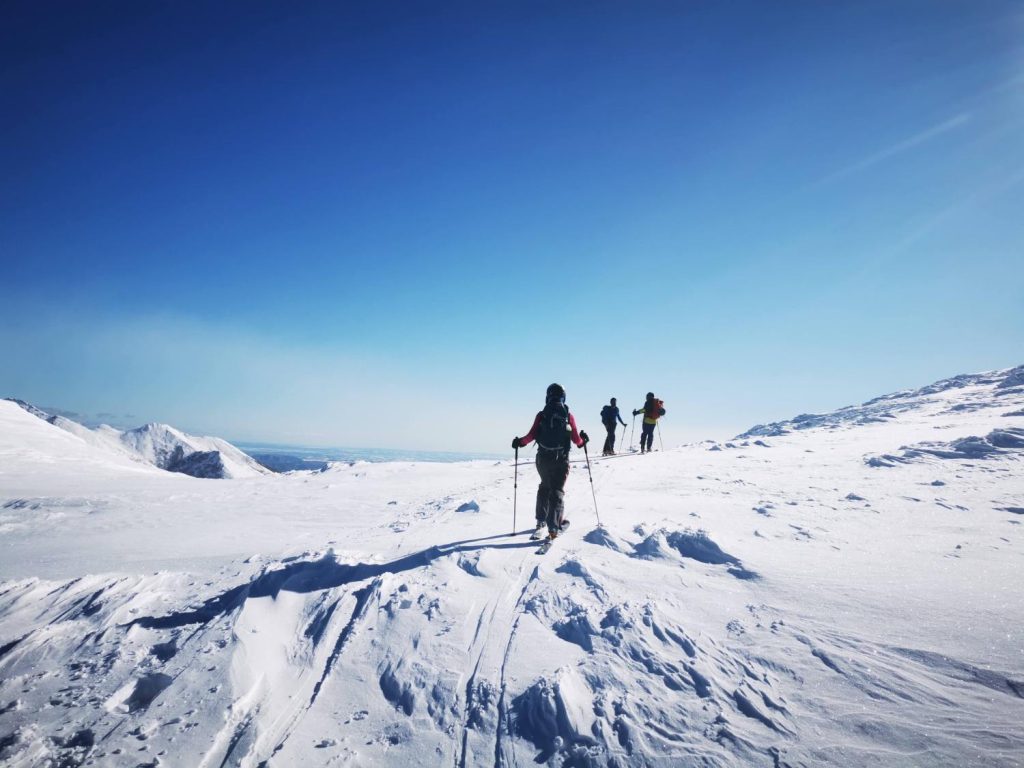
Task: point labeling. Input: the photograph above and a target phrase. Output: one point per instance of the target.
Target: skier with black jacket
(554, 429)
(609, 415)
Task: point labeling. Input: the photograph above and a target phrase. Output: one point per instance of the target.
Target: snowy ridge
(161, 446)
(170, 449)
(781, 604)
(33, 449)
(968, 392)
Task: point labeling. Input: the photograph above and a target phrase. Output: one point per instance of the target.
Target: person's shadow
(304, 576)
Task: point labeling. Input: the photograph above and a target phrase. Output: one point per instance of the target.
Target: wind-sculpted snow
(693, 545)
(1007, 443)
(781, 604)
(958, 394)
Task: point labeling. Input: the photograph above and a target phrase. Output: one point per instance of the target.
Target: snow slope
(775, 600)
(175, 451)
(162, 446)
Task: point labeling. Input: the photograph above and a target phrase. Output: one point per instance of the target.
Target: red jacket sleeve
(530, 436)
(575, 433)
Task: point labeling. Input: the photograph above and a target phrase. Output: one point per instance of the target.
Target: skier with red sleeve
(554, 429)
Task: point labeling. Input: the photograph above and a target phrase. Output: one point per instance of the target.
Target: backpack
(656, 410)
(554, 433)
(607, 415)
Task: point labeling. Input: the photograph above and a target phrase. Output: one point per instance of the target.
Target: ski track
(481, 644)
(502, 728)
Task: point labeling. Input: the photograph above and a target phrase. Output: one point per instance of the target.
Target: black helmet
(650, 395)
(556, 392)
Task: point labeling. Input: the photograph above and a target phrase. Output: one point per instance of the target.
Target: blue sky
(393, 225)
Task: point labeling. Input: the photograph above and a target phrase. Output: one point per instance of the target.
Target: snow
(782, 602)
(161, 446)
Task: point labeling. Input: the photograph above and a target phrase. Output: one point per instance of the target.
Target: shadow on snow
(306, 576)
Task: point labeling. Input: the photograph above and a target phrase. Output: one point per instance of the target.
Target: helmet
(556, 392)
(650, 395)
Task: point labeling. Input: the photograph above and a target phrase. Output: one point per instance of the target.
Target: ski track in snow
(775, 600)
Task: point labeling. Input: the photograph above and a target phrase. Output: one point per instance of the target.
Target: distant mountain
(175, 451)
(967, 392)
(162, 446)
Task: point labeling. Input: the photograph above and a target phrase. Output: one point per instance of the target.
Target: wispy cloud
(957, 208)
(898, 148)
(1012, 83)
(929, 224)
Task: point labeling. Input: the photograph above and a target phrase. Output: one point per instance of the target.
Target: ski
(542, 533)
(547, 544)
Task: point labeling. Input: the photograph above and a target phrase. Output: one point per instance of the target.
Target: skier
(554, 428)
(609, 415)
(652, 409)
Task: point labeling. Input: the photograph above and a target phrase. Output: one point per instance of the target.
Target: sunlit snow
(838, 589)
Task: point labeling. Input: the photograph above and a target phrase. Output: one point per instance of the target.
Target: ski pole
(632, 432)
(659, 438)
(593, 493)
(515, 487)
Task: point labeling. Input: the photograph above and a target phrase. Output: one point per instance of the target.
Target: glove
(635, 412)
(515, 442)
(584, 437)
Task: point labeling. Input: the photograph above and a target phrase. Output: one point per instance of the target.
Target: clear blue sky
(394, 224)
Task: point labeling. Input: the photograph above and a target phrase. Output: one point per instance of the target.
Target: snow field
(781, 603)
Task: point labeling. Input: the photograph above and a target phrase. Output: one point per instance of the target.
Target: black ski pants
(609, 442)
(647, 436)
(553, 468)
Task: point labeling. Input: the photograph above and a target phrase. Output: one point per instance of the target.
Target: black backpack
(554, 433)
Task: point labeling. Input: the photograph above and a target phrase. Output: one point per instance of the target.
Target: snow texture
(792, 606)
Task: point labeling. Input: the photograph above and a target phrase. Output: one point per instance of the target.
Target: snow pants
(647, 436)
(609, 442)
(553, 468)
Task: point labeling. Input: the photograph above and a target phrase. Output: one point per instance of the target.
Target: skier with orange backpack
(652, 409)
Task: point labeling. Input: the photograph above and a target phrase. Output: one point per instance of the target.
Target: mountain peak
(160, 445)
